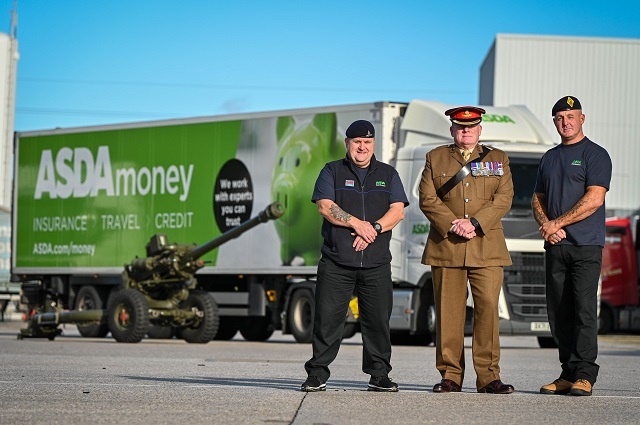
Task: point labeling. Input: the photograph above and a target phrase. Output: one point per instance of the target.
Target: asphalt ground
(76, 380)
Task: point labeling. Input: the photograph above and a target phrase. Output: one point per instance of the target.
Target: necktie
(466, 155)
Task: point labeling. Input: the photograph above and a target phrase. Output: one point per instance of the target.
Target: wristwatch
(378, 227)
(475, 223)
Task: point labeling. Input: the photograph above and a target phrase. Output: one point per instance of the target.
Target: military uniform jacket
(486, 197)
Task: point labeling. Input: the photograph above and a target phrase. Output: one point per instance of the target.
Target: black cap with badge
(360, 128)
(567, 103)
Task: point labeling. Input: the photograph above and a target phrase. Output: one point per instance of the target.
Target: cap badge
(466, 114)
(570, 102)
(368, 134)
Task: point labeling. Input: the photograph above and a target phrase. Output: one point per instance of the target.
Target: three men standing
(465, 191)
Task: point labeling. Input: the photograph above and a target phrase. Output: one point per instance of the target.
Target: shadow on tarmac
(284, 384)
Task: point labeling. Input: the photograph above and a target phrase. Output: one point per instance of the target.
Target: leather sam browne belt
(464, 172)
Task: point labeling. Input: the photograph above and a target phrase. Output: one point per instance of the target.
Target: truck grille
(524, 287)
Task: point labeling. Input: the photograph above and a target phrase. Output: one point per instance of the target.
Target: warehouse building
(603, 73)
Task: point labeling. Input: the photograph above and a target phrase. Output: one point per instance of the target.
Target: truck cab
(620, 299)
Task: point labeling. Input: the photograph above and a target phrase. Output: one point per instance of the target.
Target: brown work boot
(559, 386)
(581, 387)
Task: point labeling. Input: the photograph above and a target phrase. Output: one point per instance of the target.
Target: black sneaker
(382, 383)
(313, 384)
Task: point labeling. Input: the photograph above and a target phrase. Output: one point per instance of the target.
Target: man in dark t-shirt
(568, 203)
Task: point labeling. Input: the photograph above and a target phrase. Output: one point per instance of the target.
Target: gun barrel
(272, 212)
(73, 316)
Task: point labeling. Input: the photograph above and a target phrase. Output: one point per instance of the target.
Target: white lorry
(86, 200)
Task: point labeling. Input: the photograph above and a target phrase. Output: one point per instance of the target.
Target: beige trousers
(450, 292)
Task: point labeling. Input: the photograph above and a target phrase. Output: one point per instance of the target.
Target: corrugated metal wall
(8, 61)
(603, 73)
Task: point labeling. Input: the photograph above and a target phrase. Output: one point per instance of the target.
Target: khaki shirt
(486, 198)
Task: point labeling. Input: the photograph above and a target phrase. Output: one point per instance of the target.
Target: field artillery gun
(159, 290)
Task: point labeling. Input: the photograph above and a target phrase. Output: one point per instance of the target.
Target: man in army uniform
(466, 189)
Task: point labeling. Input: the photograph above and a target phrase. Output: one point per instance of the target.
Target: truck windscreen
(519, 222)
(524, 174)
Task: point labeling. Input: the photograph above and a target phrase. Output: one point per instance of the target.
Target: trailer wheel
(257, 328)
(205, 329)
(160, 332)
(300, 315)
(88, 298)
(429, 310)
(468, 322)
(128, 315)
(605, 321)
(227, 329)
(350, 329)
(546, 342)
(431, 322)
(405, 338)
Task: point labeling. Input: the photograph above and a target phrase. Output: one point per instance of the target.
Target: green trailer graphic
(91, 199)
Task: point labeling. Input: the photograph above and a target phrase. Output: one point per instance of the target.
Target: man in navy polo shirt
(361, 199)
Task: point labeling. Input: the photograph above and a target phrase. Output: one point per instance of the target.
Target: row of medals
(486, 169)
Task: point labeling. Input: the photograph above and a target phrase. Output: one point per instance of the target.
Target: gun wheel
(128, 315)
(205, 328)
(88, 298)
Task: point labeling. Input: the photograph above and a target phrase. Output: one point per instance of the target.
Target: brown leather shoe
(559, 386)
(497, 387)
(581, 387)
(446, 386)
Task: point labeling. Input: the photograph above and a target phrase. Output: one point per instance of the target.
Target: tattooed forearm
(539, 213)
(339, 214)
(576, 213)
(587, 205)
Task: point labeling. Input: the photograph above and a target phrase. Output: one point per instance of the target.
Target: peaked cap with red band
(465, 115)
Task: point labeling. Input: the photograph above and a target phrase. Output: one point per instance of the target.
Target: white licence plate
(540, 327)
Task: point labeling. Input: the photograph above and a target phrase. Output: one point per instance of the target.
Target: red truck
(620, 297)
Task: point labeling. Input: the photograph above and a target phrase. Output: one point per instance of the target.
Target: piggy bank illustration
(301, 154)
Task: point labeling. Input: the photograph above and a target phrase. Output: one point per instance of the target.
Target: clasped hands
(551, 232)
(365, 234)
(463, 227)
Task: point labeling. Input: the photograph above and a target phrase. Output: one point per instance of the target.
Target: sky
(95, 62)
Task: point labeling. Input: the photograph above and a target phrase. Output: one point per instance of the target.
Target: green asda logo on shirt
(576, 162)
(381, 184)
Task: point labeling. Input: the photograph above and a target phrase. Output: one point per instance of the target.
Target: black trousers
(572, 275)
(334, 288)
